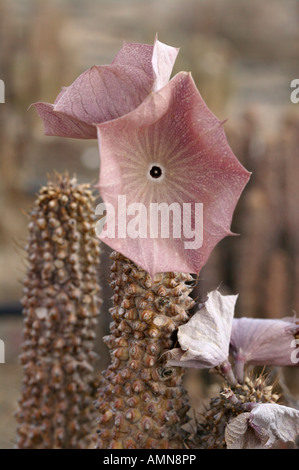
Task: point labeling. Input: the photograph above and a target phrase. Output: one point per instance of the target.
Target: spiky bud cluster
(211, 429)
(60, 307)
(142, 404)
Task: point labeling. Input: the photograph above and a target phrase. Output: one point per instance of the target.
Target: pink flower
(106, 92)
(266, 426)
(262, 342)
(204, 339)
(171, 150)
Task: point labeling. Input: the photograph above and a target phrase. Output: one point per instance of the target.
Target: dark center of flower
(155, 171)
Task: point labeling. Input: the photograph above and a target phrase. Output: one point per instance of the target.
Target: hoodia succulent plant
(162, 151)
(142, 403)
(228, 405)
(168, 155)
(60, 307)
(245, 413)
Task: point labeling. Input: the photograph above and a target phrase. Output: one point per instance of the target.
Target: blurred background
(243, 57)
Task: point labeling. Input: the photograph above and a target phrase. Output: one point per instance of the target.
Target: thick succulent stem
(141, 403)
(60, 306)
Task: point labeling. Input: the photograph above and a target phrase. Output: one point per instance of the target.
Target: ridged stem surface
(60, 306)
(141, 403)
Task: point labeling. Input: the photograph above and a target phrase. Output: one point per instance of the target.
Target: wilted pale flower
(169, 153)
(204, 339)
(262, 342)
(265, 426)
(106, 92)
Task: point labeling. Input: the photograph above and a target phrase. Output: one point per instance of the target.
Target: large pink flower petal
(157, 61)
(204, 339)
(174, 129)
(136, 55)
(163, 60)
(106, 92)
(275, 423)
(57, 124)
(263, 341)
(265, 427)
